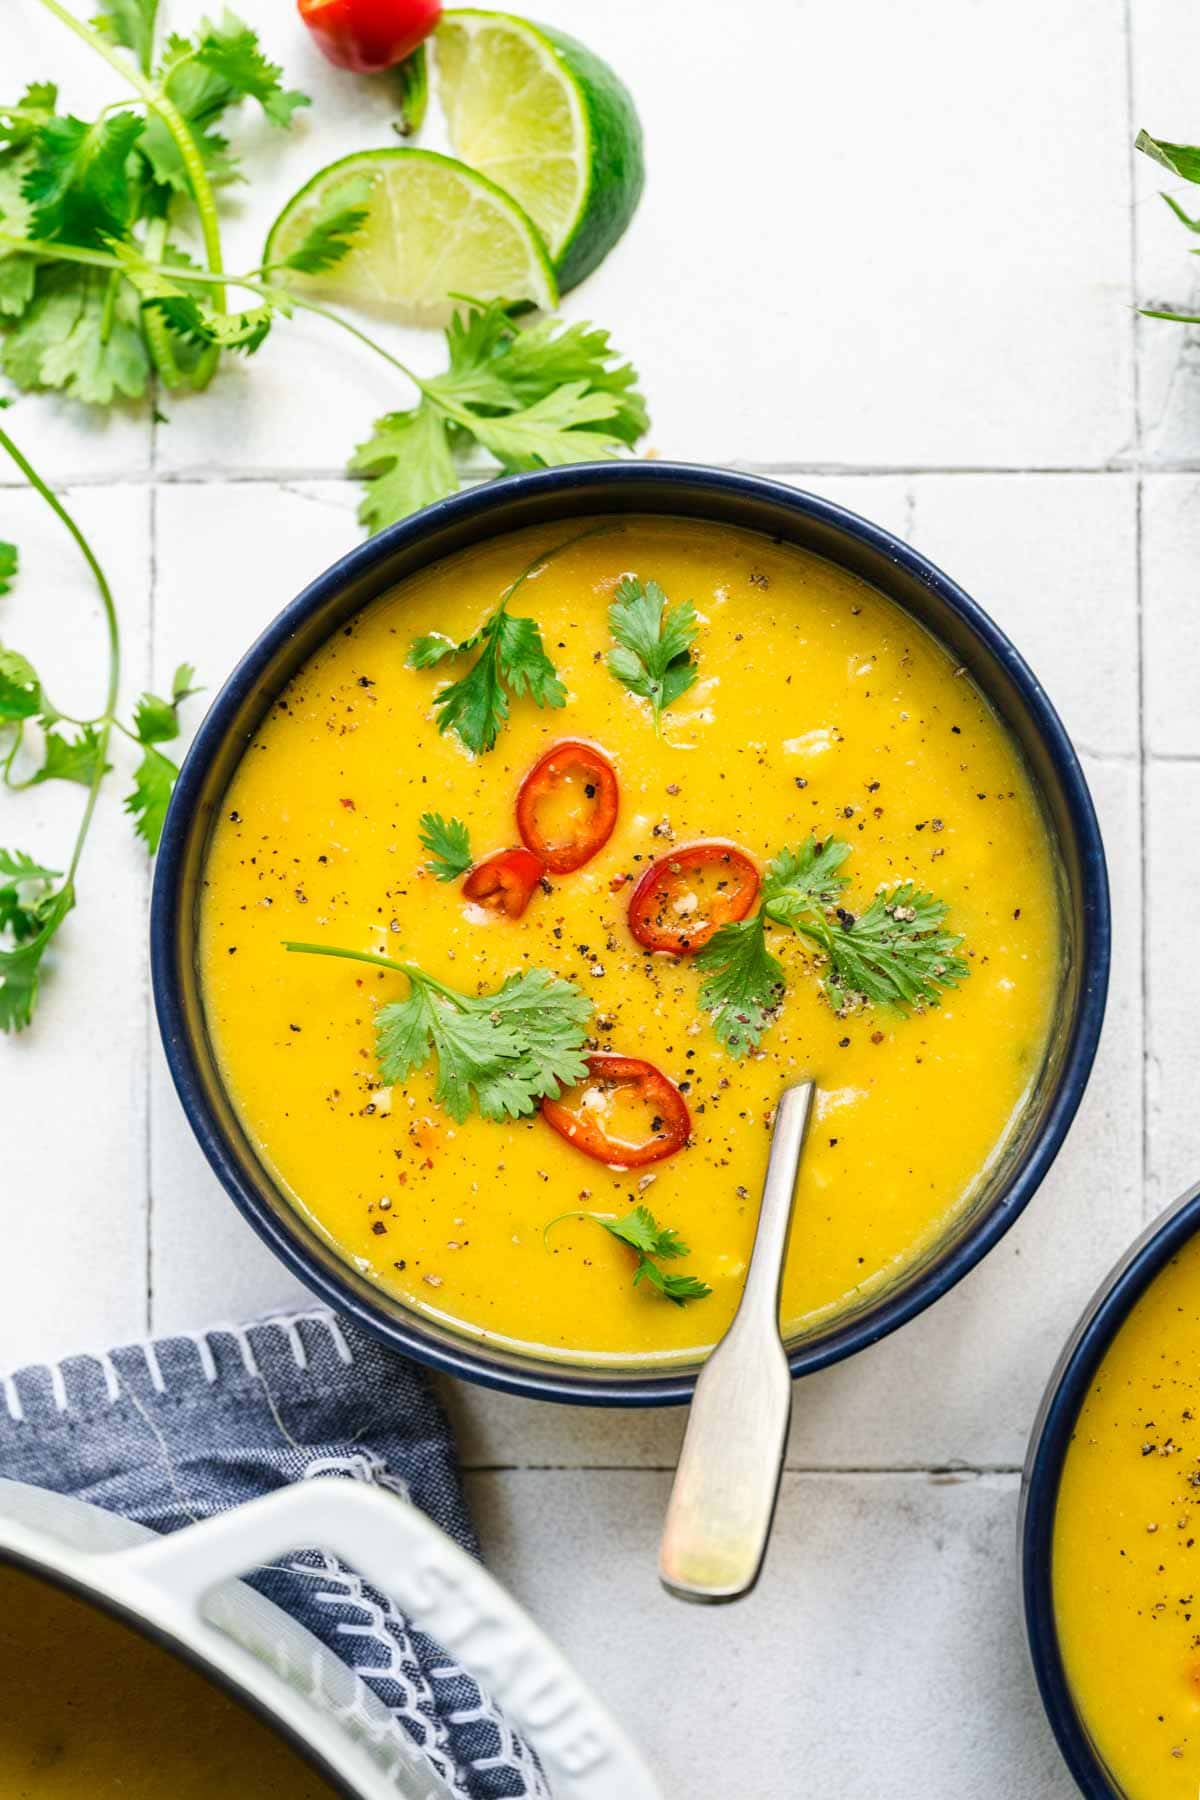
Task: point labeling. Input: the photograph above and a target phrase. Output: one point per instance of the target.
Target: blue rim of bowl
(537, 1377)
(1049, 1442)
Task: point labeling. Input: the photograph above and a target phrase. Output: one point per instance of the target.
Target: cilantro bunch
(34, 899)
(121, 182)
(895, 953)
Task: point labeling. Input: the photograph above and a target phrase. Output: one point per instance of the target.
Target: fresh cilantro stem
(113, 631)
(52, 250)
(370, 958)
(155, 97)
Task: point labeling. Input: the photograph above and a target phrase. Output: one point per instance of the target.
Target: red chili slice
(685, 897)
(504, 883)
(567, 805)
(626, 1114)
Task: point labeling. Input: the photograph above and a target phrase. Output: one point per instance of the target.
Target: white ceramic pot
(183, 1590)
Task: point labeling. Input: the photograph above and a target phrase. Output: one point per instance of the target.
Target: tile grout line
(280, 477)
(148, 1019)
(947, 1473)
(1140, 611)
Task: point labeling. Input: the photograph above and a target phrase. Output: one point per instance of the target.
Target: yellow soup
(819, 707)
(1126, 1561)
(90, 1710)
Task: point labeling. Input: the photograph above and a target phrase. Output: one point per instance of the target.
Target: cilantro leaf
(18, 985)
(71, 759)
(20, 968)
(553, 431)
(189, 318)
(130, 23)
(745, 984)
(641, 1231)
(230, 50)
(22, 912)
(183, 684)
(36, 107)
(70, 338)
(652, 657)
(511, 657)
(17, 866)
(203, 77)
(895, 953)
(10, 558)
(797, 880)
(541, 357)
(408, 464)
(448, 844)
(153, 783)
(643, 1234)
(679, 1288)
(498, 1053)
(155, 721)
(80, 180)
(1181, 159)
(331, 234)
(20, 689)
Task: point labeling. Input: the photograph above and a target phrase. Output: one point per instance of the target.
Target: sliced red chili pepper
(685, 897)
(504, 883)
(626, 1114)
(567, 805)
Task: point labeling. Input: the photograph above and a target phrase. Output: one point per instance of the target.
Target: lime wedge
(550, 122)
(434, 228)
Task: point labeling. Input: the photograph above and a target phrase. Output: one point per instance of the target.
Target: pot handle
(443, 1590)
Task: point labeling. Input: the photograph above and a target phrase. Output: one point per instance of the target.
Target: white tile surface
(1173, 984)
(1170, 583)
(874, 239)
(73, 1094)
(881, 1657)
(975, 309)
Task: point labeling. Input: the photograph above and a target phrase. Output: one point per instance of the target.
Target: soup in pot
(91, 1710)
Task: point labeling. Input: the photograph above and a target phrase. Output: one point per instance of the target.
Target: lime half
(434, 228)
(550, 122)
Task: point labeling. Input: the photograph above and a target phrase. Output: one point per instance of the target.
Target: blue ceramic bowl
(1051, 1437)
(548, 497)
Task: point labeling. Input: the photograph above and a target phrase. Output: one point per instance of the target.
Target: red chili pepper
(567, 805)
(367, 35)
(504, 883)
(685, 897)
(626, 1114)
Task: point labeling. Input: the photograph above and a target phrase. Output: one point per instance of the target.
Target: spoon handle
(723, 1501)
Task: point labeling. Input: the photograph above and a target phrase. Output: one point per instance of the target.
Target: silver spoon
(721, 1507)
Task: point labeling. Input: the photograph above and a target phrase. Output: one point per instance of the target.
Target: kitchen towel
(170, 1431)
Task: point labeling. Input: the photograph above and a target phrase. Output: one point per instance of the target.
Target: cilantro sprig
(642, 1233)
(449, 845)
(498, 1054)
(533, 396)
(1183, 160)
(35, 899)
(512, 660)
(896, 953)
(652, 655)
